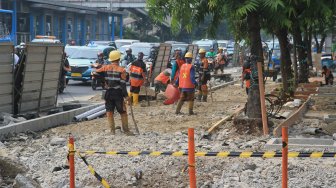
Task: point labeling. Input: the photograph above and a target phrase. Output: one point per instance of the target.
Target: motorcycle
(98, 78)
(211, 62)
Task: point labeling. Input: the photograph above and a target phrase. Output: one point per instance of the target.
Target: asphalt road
(77, 90)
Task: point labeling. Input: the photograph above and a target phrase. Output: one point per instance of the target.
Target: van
(207, 44)
(121, 42)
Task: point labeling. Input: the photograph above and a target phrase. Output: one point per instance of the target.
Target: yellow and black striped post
(93, 172)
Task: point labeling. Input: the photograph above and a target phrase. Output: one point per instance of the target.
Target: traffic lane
(78, 90)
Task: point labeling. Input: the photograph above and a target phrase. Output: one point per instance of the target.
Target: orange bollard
(191, 158)
(284, 157)
(71, 146)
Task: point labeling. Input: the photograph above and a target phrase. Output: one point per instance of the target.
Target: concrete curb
(223, 85)
(46, 122)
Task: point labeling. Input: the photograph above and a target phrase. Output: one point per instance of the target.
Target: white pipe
(97, 114)
(87, 113)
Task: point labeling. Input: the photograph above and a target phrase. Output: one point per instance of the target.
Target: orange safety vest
(184, 77)
(247, 81)
(162, 78)
(136, 76)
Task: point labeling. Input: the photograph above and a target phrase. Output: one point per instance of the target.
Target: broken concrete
(329, 118)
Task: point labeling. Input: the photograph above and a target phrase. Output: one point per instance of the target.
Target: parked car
(122, 42)
(326, 60)
(80, 62)
(207, 44)
(223, 43)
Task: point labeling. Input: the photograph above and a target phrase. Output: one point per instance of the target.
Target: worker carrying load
(163, 79)
(246, 76)
(116, 93)
(137, 77)
(204, 76)
(186, 82)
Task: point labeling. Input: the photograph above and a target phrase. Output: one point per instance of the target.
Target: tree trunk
(253, 109)
(301, 49)
(285, 59)
(295, 64)
(319, 45)
(309, 52)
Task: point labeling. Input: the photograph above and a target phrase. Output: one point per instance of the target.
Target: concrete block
(286, 114)
(329, 118)
(299, 143)
(43, 123)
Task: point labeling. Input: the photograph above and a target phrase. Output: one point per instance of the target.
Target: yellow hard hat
(202, 51)
(188, 55)
(114, 55)
(220, 48)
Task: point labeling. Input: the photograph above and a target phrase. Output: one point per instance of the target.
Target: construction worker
(137, 77)
(186, 82)
(116, 93)
(176, 63)
(204, 76)
(246, 76)
(163, 79)
(328, 75)
(220, 61)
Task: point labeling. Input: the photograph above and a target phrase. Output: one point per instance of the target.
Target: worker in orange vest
(204, 76)
(163, 79)
(116, 91)
(186, 82)
(137, 77)
(177, 62)
(246, 76)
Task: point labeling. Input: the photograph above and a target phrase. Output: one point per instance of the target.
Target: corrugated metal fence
(36, 83)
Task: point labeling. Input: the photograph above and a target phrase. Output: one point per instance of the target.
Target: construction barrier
(243, 154)
(191, 157)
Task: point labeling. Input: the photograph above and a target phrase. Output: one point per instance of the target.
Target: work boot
(110, 120)
(179, 106)
(191, 107)
(135, 99)
(199, 96)
(205, 98)
(124, 124)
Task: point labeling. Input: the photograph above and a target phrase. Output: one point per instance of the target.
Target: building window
(48, 25)
(88, 30)
(69, 28)
(37, 25)
(5, 25)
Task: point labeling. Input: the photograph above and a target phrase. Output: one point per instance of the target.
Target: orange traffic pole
(284, 157)
(262, 99)
(191, 158)
(71, 147)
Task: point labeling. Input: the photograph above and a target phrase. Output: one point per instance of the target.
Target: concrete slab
(329, 118)
(299, 143)
(45, 122)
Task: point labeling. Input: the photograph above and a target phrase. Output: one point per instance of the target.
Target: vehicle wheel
(94, 84)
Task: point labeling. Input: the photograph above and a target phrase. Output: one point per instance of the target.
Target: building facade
(68, 22)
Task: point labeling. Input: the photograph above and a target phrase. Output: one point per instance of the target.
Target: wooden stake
(262, 99)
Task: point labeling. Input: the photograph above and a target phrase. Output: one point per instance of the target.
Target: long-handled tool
(210, 92)
(132, 114)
